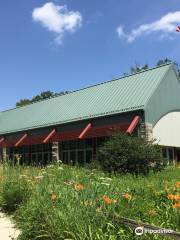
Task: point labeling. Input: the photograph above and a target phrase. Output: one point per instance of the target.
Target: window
(89, 143)
(164, 152)
(80, 157)
(170, 153)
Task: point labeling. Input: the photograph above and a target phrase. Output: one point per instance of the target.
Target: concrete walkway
(7, 228)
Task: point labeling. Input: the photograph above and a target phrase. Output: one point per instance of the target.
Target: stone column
(55, 152)
(146, 131)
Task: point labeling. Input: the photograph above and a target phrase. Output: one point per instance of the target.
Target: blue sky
(67, 44)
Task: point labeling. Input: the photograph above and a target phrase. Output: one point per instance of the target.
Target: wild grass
(64, 202)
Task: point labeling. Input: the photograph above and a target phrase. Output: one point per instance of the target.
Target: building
(71, 127)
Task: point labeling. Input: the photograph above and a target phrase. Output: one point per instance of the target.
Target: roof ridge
(91, 86)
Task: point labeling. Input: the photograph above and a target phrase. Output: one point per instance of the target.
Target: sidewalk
(7, 228)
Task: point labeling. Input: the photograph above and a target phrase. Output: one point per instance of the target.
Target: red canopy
(89, 131)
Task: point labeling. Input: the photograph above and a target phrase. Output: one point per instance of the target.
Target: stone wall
(55, 152)
(146, 131)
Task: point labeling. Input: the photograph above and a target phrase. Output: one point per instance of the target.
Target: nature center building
(71, 127)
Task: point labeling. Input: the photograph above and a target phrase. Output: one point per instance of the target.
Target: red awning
(53, 136)
(85, 131)
(2, 140)
(133, 125)
(50, 135)
(20, 140)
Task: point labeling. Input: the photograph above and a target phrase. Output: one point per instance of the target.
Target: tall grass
(74, 203)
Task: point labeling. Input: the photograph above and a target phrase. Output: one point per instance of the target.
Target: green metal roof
(120, 95)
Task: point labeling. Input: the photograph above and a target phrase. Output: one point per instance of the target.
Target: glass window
(72, 145)
(39, 147)
(33, 159)
(65, 158)
(33, 148)
(72, 157)
(65, 145)
(170, 153)
(26, 149)
(88, 156)
(80, 157)
(46, 147)
(80, 144)
(100, 141)
(89, 143)
(164, 153)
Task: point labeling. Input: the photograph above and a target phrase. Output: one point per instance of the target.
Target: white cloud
(166, 25)
(57, 19)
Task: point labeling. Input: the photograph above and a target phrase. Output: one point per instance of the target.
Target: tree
(138, 68)
(167, 60)
(23, 102)
(42, 96)
(126, 154)
(163, 61)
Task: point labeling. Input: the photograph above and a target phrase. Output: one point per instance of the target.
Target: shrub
(13, 193)
(123, 153)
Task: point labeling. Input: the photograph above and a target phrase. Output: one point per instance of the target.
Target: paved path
(7, 228)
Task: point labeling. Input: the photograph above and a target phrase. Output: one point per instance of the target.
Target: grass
(66, 202)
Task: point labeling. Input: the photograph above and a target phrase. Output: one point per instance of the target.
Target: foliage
(13, 193)
(167, 60)
(75, 203)
(41, 96)
(138, 68)
(163, 61)
(123, 153)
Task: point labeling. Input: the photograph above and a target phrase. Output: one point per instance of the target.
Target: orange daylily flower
(107, 200)
(170, 196)
(127, 196)
(177, 184)
(177, 197)
(78, 186)
(176, 205)
(173, 197)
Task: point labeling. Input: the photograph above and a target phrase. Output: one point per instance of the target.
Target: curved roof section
(120, 95)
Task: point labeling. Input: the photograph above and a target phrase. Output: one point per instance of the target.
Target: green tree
(123, 153)
(167, 60)
(23, 102)
(138, 68)
(163, 61)
(42, 96)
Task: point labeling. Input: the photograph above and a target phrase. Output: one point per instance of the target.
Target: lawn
(64, 202)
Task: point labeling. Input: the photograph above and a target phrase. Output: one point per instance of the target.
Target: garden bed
(63, 202)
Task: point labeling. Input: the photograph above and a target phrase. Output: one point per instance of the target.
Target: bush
(13, 193)
(123, 153)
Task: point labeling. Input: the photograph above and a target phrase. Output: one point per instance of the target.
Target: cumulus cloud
(57, 19)
(166, 25)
